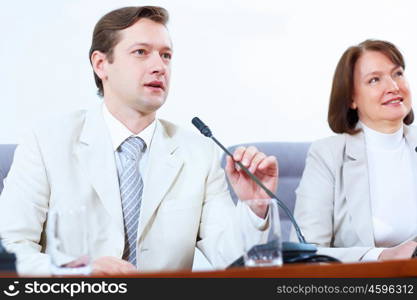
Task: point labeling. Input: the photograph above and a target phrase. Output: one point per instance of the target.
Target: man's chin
(150, 106)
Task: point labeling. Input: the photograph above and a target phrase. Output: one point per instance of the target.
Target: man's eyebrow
(166, 48)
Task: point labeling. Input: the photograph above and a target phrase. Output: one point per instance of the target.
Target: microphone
(292, 252)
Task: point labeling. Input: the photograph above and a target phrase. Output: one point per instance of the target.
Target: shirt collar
(119, 132)
(387, 141)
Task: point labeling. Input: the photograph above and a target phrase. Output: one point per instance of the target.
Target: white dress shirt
(119, 133)
(392, 181)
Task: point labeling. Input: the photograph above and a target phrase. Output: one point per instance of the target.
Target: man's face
(138, 76)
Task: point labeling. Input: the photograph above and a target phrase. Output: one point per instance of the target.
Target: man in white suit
(179, 189)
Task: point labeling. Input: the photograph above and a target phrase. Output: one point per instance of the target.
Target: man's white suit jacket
(69, 161)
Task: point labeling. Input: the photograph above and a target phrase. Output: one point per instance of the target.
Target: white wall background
(253, 70)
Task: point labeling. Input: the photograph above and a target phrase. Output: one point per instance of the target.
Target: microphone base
(296, 252)
(292, 253)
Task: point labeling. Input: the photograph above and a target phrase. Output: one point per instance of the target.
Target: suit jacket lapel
(164, 164)
(355, 173)
(96, 159)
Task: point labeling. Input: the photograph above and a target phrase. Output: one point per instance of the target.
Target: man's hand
(262, 166)
(402, 251)
(108, 265)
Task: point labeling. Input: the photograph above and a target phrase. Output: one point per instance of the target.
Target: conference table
(387, 269)
(395, 268)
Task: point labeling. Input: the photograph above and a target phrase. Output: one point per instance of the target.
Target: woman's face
(381, 93)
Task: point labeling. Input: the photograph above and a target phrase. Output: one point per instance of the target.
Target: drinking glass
(68, 241)
(265, 248)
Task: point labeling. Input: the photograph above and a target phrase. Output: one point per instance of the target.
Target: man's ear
(99, 61)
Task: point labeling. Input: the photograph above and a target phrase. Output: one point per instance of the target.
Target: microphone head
(203, 128)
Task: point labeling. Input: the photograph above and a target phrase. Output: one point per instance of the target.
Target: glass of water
(264, 248)
(68, 242)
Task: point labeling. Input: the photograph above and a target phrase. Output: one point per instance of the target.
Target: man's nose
(157, 64)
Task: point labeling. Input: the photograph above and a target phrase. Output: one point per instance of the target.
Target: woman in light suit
(357, 199)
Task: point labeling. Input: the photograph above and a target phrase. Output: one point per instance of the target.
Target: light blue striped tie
(131, 187)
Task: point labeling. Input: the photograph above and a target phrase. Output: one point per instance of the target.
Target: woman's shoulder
(330, 150)
(334, 143)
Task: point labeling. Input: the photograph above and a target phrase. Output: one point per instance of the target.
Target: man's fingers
(248, 156)
(257, 159)
(230, 166)
(238, 153)
(252, 159)
(112, 265)
(267, 163)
